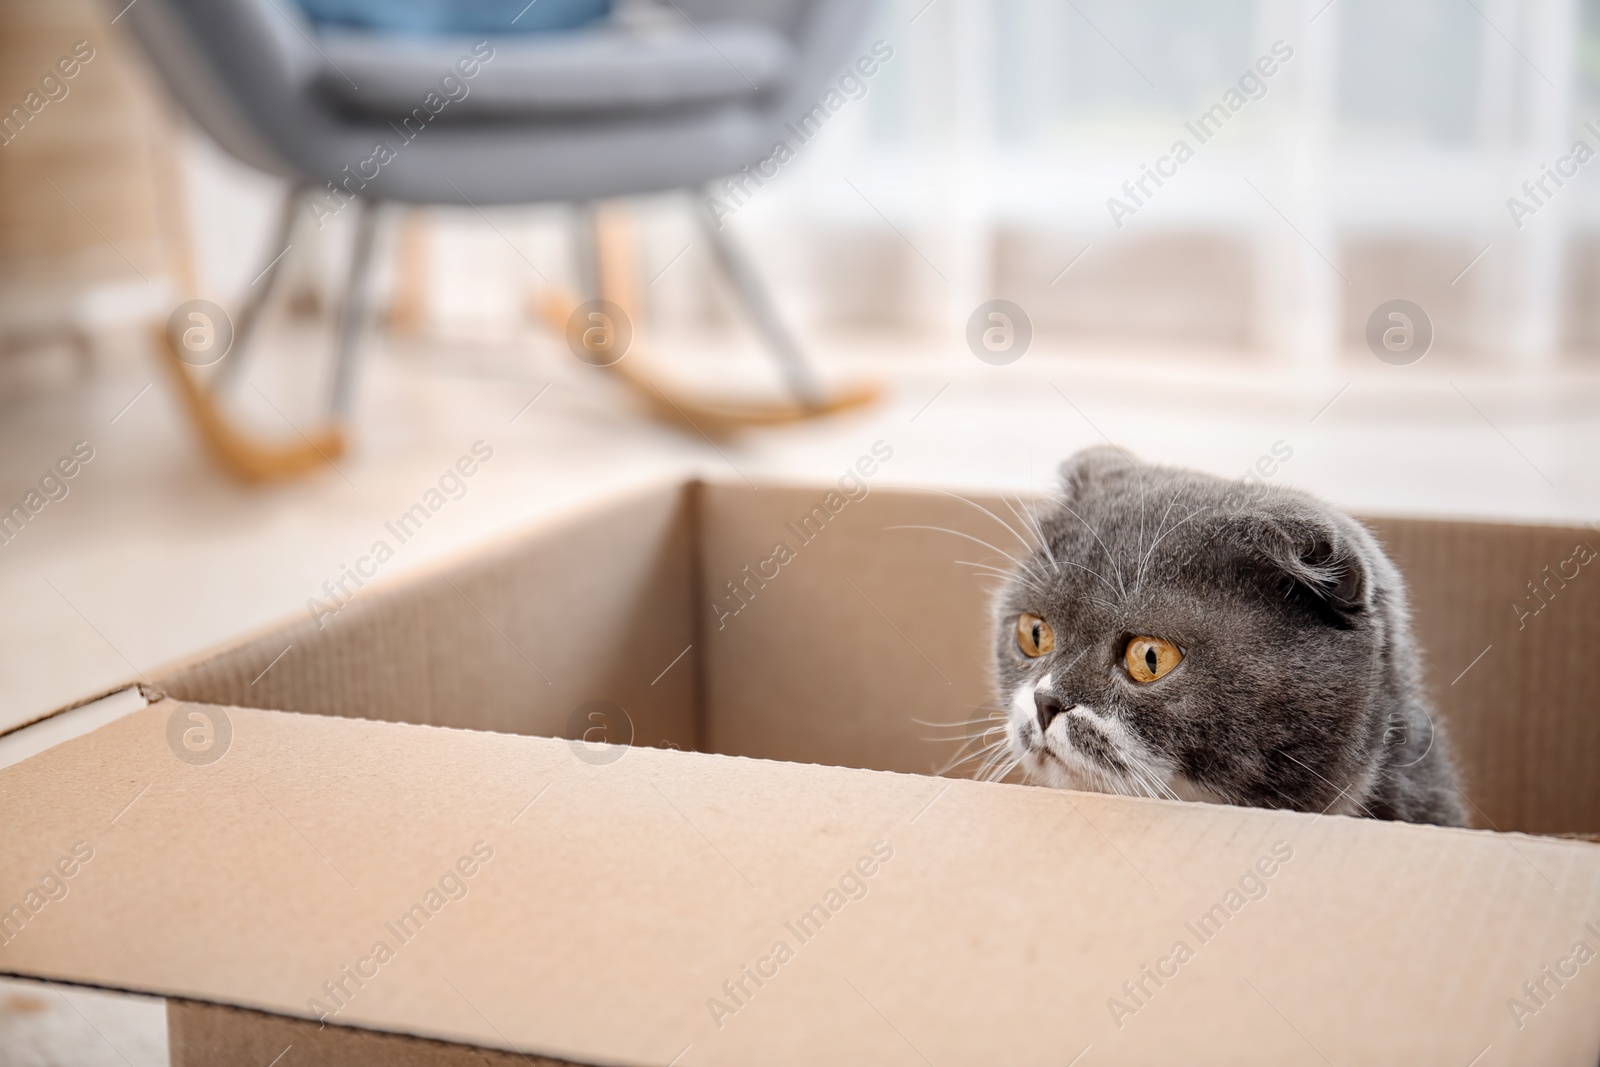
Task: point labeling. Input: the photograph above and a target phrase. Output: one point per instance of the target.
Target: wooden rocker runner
(608, 263)
(240, 455)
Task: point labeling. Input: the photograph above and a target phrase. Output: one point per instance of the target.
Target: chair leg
(353, 312)
(261, 289)
(408, 305)
(757, 304)
(606, 268)
(244, 457)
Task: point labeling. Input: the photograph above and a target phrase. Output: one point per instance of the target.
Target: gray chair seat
(585, 72)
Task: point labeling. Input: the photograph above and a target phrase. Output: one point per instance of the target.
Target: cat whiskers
(1140, 780)
(990, 571)
(993, 754)
(998, 767)
(1021, 568)
(1141, 525)
(994, 713)
(1121, 588)
(1176, 526)
(1152, 782)
(969, 537)
(986, 756)
(993, 723)
(1144, 560)
(1027, 517)
(1019, 563)
(1027, 544)
(1087, 570)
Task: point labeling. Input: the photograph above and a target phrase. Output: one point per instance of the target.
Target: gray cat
(1172, 634)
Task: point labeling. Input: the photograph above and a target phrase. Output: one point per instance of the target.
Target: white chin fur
(1060, 766)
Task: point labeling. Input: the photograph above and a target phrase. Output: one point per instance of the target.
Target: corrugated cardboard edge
(202, 1034)
(150, 693)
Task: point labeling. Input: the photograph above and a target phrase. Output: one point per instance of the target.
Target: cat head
(1173, 634)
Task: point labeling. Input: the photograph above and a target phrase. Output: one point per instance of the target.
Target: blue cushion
(436, 17)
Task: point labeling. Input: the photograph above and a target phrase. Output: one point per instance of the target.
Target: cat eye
(1149, 658)
(1034, 635)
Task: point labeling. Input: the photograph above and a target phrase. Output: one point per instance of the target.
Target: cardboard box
(799, 890)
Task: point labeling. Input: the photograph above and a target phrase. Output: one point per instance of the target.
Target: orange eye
(1034, 635)
(1149, 658)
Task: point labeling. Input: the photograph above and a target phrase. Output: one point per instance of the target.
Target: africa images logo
(199, 735)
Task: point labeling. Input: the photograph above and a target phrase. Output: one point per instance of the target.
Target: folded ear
(1324, 562)
(1091, 465)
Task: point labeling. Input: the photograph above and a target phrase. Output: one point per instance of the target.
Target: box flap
(675, 907)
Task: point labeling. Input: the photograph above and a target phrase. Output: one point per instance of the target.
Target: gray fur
(1300, 686)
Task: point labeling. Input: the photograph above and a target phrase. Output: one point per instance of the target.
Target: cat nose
(1048, 707)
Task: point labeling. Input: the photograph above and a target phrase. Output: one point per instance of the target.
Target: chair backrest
(244, 70)
(822, 30)
(239, 68)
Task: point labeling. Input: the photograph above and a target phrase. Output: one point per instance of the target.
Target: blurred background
(1437, 152)
(976, 163)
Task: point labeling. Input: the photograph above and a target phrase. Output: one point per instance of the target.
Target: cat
(1174, 634)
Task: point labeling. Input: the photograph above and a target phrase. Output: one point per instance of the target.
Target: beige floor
(153, 556)
(44, 1025)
